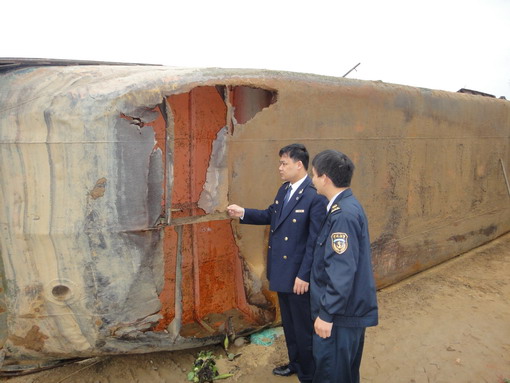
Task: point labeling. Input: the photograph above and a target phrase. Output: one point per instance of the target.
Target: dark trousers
(338, 358)
(298, 329)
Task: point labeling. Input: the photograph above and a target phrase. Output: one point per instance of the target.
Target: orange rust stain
(159, 126)
(198, 117)
(211, 269)
(167, 295)
(181, 154)
(216, 251)
(187, 270)
(34, 340)
(212, 281)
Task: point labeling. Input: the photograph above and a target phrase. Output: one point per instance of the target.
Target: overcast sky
(437, 44)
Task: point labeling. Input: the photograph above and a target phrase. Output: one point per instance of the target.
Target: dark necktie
(287, 196)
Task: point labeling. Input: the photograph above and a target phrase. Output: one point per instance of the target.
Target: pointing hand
(235, 211)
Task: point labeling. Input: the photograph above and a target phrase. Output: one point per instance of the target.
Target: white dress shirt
(296, 186)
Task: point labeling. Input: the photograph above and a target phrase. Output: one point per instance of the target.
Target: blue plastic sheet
(266, 337)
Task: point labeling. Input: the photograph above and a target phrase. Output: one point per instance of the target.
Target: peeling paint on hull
(115, 180)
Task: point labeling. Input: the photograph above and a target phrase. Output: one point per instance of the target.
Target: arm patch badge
(339, 242)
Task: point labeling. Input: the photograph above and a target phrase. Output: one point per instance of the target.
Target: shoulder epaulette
(334, 208)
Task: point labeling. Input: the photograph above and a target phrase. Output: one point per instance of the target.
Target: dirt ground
(449, 324)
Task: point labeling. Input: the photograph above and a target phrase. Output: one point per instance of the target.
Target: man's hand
(300, 286)
(235, 211)
(322, 328)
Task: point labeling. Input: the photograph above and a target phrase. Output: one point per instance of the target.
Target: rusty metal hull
(115, 180)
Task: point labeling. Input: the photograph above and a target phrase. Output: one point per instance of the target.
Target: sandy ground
(448, 324)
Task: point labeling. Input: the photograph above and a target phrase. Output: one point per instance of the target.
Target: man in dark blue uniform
(295, 217)
(343, 294)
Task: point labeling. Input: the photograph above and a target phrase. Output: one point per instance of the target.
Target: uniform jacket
(342, 283)
(293, 234)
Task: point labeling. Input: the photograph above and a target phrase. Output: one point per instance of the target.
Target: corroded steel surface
(115, 180)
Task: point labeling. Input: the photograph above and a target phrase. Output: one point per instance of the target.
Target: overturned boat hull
(115, 180)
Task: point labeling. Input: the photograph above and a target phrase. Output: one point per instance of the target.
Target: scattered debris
(205, 370)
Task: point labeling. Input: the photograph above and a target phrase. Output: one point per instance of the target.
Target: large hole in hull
(204, 284)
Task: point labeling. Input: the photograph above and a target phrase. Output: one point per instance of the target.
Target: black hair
(336, 166)
(297, 152)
